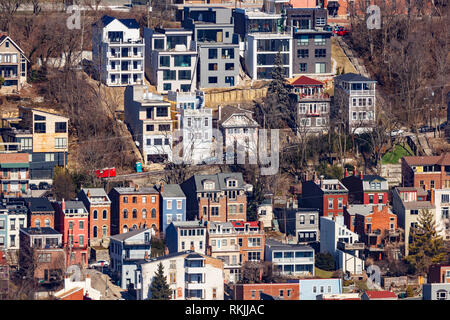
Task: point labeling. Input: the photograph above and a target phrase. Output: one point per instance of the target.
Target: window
(281, 293)
(432, 184)
(320, 53)
(302, 219)
(164, 127)
(302, 53)
(105, 214)
(314, 289)
(125, 199)
(312, 219)
(105, 231)
(340, 203)
(95, 214)
(60, 143)
(166, 87)
(153, 199)
(144, 199)
(212, 53)
(153, 212)
(49, 157)
(380, 198)
(303, 41)
(212, 79)
(144, 213)
(302, 67)
(320, 21)
(162, 112)
(39, 127)
(169, 204)
(81, 241)
(37, 223)
(254, 256)
(214, 211)
(441, 295)
(319, 40)
(229, 66)
(158, 44)
(182, 61)
(320, 67)
(444, 212)
(81, 225)
(330, 203)
(184, 75)
(212, 66)
(229, 80)
(179, 204)
(125, 213)
(253, 294)
(169, 75)
(134, 212)
(254, 242)
(228, 53)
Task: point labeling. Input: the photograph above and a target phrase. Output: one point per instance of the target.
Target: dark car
(328, 28)
(423, 129)
(33, 186)
(44, 186)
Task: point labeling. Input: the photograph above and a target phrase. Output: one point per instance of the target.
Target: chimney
(136, 187)
(161, 187)
(361, 175)
(146, 255)
(63, 205)
(220, 113)
(89, 194)
(321, 181)
(208, 250)
(166, 250)
(192, 248)
(346, 173)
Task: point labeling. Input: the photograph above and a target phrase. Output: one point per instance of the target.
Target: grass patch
(322, 273)
(395, 155)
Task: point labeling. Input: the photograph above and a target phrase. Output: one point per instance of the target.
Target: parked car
(395, 133)
(44, 186)
(423, 129)
(99, 263)
(33, 186)
(340, 31)
(328, 28)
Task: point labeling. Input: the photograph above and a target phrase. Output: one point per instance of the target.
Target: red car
(340, 31)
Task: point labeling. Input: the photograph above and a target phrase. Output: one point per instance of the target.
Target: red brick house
(14, 174)
(250, 239)
(366, 189)
(134, 208)
(284, 291)
(428, 172)
(330, 196)
(72, 221)
(376, 225)
(98, 205)
(40, 213)
(438, 273)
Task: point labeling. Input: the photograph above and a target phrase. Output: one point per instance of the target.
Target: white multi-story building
(118, 51)
(442, 207)
(261, 51)
(171, 59)
(17, 218)
(195, 125)
(186, 235)
(355, 102)
(342, 243)
(149, 118)
(190, 276)
(240, 132)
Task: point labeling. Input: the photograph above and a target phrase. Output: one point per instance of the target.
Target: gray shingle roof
(140, 190)
(172, 190)
(39, 205)
(188, 224)
(219, 180)
(353, 77)
(44, 230)
(279, 245)
(75, 205)
(127, 235)
(95, 192)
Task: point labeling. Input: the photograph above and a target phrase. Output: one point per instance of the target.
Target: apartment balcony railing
(10, 147)
(195, 270)
(319, 96)
(294, 260)
(137, 243)
(250, 232)
(233, 247)
(127, 41)
(350, 246)
(361, 92)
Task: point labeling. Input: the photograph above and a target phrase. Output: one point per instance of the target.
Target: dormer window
(208, 185)
(231, 183)
(7, 44)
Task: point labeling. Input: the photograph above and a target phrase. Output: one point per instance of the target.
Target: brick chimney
(361, 176)
(192, 248)
(63, 205)
(89, 194)
(136, 187)
(146, 255)
(208, 250)
(346, 173)
(166, 250)
(161, 187)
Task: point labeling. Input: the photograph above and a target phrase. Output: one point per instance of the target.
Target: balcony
(234, 247)
(124, 42)
(194, 270)
(193, 285)
(294, 260)
(137, 243)
(313, 97)
(362, 92)
(350, 246)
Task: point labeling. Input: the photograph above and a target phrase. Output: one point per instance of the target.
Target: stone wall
(216, 97)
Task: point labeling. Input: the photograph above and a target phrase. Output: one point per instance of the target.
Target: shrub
(325, 261)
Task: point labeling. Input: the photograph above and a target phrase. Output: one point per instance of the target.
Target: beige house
(13, 65)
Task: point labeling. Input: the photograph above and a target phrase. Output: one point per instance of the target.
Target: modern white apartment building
(171, 59)
(190, 276)
(261, 51)
(118, 51)
(442, 207)
(148, 117)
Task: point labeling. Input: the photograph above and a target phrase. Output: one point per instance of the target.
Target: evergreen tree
(425, 247)
(279, 87)
(159, 287)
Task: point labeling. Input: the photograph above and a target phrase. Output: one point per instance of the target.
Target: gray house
(218, 46)
(436, 291)
(311, 44)
(125, 250)
(290, 259)
(301, 222)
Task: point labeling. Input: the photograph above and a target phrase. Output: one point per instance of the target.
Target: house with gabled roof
(13, 65)
(118, 51)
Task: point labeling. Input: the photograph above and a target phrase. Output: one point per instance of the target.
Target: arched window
(125, 229)
(47, 223)
(37, 222)
(144, 213)
(94, 232)
(134, 214)
(134, 226)
(125, 213)
(104, 231)
(105, 214)
(95, 214)
(153, 213)
(154, 227)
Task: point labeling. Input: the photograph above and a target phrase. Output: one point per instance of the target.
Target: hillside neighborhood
(224, 150)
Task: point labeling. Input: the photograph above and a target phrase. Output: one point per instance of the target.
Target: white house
(17, 218)
(186, 235)
(342, 243)
(118, 51)
(149, 118)
(191, 276)
(70, 285)
(442, 218)
(265, 213)
(240, 132)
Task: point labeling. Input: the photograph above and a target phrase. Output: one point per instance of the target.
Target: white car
(99, 263)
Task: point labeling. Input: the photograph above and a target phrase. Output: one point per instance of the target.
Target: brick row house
(14, 174)
(134, 208)
(219, 198)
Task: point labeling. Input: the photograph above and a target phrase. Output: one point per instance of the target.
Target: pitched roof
(5, 36)
(140, 190)
(227, 112)
(172, 190)
(44, 230)
(279, 245)
(105, 20)
(306, 81)
(427, 160)
(353, 77)
(95, 192)
(219, 179)
(39, 204)
(188, 224)
(381, 294)
(127, 235)
(241, 224)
